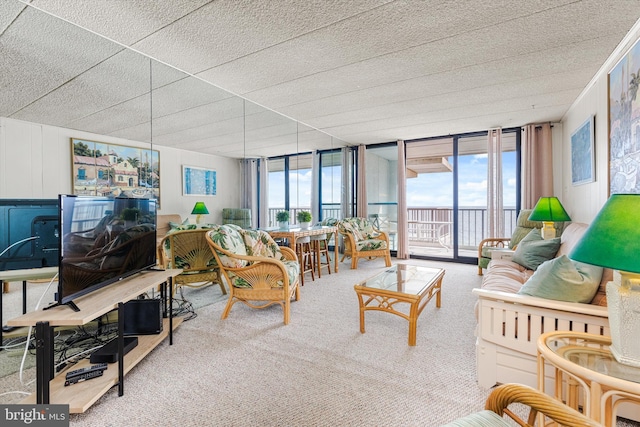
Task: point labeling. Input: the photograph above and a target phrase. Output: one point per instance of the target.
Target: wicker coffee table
(401, 283)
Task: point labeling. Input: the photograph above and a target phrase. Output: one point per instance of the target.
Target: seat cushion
(371, 245)
(484, 418)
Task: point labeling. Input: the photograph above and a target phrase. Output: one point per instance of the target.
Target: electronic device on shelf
(86, 370)
(108, 353)
(102, 241)
(29, 233)
(83, 377)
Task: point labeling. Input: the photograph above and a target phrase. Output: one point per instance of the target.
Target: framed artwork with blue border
(624, 132)
(583, 153)
(198, 181)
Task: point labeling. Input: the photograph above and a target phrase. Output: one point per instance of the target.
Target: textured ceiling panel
(363, 71)
(117, 79)
(225, 30)
(394, 27)
(125, 21)
(39, 54)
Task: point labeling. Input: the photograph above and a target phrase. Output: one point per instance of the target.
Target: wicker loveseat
(509, 323)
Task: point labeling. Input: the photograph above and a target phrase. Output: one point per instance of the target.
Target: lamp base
(547, 231)
(623, 302)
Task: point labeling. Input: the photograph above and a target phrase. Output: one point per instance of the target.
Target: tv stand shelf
(82, 395)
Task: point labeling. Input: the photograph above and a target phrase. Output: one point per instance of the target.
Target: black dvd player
(108, 353)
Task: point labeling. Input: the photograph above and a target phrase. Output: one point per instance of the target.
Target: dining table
(293, 233)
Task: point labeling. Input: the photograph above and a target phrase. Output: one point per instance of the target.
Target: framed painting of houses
(198, 181)
(583, 153)
(104, 169)
(624, 123)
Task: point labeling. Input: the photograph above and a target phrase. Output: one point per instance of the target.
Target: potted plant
(304, 219)
(283, 219)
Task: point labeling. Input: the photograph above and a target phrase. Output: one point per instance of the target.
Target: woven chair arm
(349, 236)
(289, 253)
(506, 394)
(163, 256)
(382, 235)
(493, 242)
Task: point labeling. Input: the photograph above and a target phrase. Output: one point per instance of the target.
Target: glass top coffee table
(400, 283)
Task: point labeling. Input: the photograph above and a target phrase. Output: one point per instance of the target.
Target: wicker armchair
(539, 404)
(258, 271)
(363, 240)
(189, 250)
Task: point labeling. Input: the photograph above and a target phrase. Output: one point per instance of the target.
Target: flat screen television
(103, 240)
(29, 233)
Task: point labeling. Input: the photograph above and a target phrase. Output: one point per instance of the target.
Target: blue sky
(427, 190)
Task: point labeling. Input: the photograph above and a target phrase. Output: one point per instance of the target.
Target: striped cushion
(484, 418)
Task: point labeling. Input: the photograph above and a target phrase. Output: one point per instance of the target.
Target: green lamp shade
(549, 209)
(199, 209)
(613, 238)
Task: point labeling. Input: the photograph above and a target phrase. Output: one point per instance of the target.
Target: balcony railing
(430, 226)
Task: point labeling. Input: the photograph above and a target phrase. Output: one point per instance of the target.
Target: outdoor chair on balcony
(258, 271)
(523, 227)
(363, 240)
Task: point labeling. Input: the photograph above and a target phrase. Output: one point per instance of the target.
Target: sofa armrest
(572, 307)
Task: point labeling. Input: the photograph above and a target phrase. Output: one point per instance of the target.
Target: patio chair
(189, 250)
(538, 403)
(259, 272)
(363, 240)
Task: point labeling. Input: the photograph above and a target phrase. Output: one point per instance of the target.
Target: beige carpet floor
(251, 370)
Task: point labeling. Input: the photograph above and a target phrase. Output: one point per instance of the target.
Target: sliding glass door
(382, 188)
(447, 193)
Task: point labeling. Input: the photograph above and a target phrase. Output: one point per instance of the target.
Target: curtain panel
(495, 211)
(361, 202)
(403, 219)
(537, 164)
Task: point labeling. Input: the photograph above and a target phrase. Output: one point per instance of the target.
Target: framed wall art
(104, 169)
(198, 181)
(624, 124)
(583, 153)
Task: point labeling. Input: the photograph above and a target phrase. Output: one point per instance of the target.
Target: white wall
(35, 162)
(583, 202)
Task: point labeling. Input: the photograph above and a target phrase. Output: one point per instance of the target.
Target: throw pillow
(533, 250)
(563, 279)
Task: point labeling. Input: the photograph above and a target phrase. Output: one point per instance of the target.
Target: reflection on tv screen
(103, 240)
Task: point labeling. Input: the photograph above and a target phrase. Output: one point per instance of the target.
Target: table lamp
(199, 209)
(613, 241)
(549, 210)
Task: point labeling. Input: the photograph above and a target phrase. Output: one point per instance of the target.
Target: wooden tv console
(80, 396)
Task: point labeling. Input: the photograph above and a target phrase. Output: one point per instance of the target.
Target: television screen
(29, 233)
(103, 240)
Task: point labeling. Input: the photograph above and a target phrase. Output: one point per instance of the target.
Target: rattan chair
(537, 404)
(363, 240)
(189, 250)
(258, 271)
